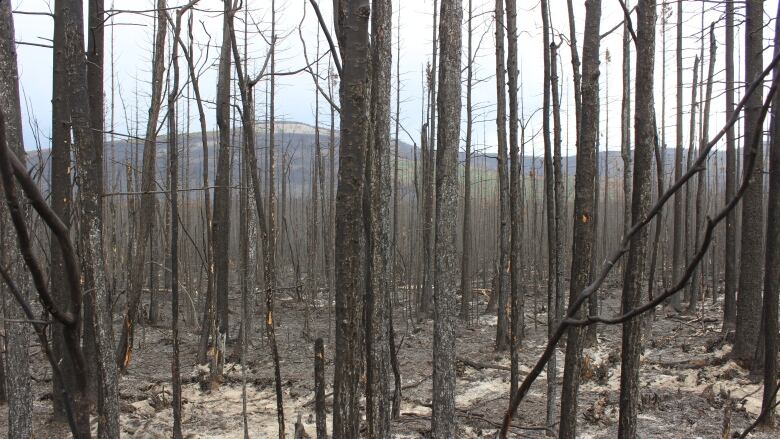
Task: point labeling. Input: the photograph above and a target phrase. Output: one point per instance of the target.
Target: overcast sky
(128, 43)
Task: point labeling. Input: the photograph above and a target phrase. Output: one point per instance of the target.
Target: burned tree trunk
(772, 272)
(20, 402)
(584, 192)
(444, 423)
(751, 260)
(221, 220)
(61, 199)
(502, 333)
(515, 200)
(678, 258)
(146, 209)
(633, 275)
(353, 17)
(731, 274)
(378, 396)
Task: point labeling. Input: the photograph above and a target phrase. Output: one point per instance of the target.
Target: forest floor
(688, 384)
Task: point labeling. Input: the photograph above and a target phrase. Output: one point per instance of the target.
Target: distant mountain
(295, 143)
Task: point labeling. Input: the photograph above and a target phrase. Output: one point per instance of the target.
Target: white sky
(133, 34)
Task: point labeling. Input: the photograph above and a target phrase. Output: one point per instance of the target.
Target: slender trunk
(731, 274)
(221, 220)
(515, 200)
(700, 180)
(633, 276)
(502, 330)
(465, 264)
(582, 238)
(678, 259)
(550, 198)
(146, 208)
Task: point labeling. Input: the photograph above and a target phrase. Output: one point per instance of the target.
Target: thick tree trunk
(752, 257)
(20, 402)
(61, 200)
(353, 17)
(444, 423)
(772, 273)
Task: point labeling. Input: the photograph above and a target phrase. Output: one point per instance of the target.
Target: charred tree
(352, 31)
(584, 193)
(751, 260)
(444, 424)
(633, 276)
(146, 208)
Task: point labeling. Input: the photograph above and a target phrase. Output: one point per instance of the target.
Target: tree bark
(515, 200)
(751, 260)
(731, 274)
(465, 262)
(61, 200)
(772, 258)
(583, 234)
(444, 422)
(633, 276)
(678, 258)
(353, 17)
(221, 220)
(502, 330)
(378, 396)
(20, 402)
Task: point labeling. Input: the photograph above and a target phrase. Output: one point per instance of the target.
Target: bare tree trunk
(98, 319)
(731, 274)
(645, 138)
(625, 128)
(678, 258)
(583, 211)
(173, 168)
(378, 397)
(267, 228)
(61, 200)
(146, 209)
(352, 34)
(772, 274)
(221, 220)
(20, 398)
(502, 330)
(688, 251)
(515, 200)
(444, 423)
(465, 265)
(751, 261)
(700, 181)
